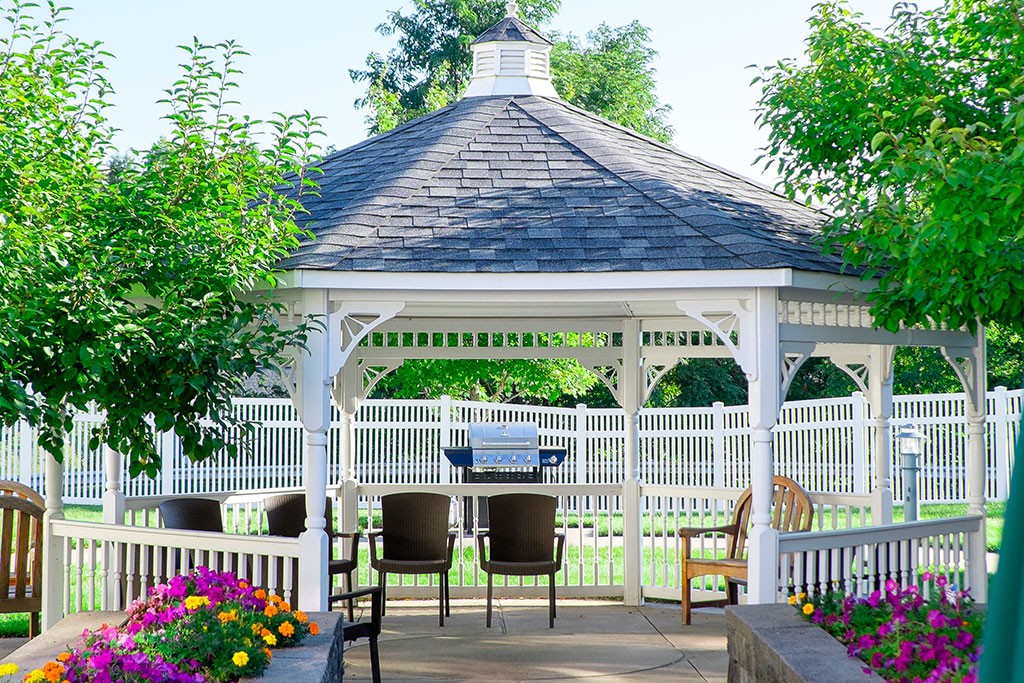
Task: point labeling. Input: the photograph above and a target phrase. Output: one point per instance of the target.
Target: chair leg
(733, 591)
(382, 582)
(33, 625)
(374, 660)
(348, 588)
(440, 600)
(686, 600)
(447, 596)
(490, 591)
(551, 601)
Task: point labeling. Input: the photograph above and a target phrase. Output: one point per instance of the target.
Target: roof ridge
(689, 157)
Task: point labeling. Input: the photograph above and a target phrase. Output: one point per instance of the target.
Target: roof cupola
(511, 58)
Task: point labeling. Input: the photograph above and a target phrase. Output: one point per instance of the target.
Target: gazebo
(511, 224)
(502, 224)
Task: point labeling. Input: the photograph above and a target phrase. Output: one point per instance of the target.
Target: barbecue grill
(500, 454)
(501, 446)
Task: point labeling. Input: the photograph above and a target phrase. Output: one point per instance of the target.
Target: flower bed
(205, 627)
(901, 634)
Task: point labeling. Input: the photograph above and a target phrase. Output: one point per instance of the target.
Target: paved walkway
(605, 641)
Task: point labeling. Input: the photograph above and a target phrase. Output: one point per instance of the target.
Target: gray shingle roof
(530, 184)
(510, 28)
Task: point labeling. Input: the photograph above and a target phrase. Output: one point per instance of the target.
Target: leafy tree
(912, 137)
(136, 288)
(431, 65)
(611, 76)
(504, 381)
(432, 62)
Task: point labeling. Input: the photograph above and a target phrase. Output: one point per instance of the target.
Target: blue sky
(301, 53)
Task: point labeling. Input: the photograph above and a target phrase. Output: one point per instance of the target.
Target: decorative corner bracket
(964, 361)
(794, 355)
(652, 374)
(370, 374)
(728, 320)
(610, 375)
(351, 323)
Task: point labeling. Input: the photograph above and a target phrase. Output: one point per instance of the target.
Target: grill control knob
(497, 458)
(552, 460)
(483, 458)
(512, 458)
(529, 458)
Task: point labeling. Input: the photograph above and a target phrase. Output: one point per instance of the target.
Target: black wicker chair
(521, 541)
(286, 516)
(194, 514)
(416, 540)
(364, 629)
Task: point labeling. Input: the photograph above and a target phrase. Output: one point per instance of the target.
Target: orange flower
(257, 629)
(225, 617)
(274, 599)
(53, 671)
(286, 629)
(284, 606)
(268, 652)
(300, 616)
(264, 633)
(270, 611)
(63, 657)
(243, 584)
(260, 594)
(313, 628)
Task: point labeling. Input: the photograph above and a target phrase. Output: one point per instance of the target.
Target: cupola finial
(512, 9)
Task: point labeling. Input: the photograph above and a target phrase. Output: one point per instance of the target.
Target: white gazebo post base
(53, 547)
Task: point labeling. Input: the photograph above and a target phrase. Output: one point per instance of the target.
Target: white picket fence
(825, 444)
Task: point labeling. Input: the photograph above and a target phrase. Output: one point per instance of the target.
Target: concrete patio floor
(591, 639)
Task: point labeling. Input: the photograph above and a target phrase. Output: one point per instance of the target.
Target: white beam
(630, 393)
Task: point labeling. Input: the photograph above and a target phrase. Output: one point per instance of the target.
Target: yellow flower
(240, 658)
(256, 628)
(801, 596)
(8, 669)
(286, 629)
(225, 617)
(194, 602)
(792, 599)
(300, 616)
(270, 611)
(35, 676)
(313, 628)
(808, 609)
(270, 639)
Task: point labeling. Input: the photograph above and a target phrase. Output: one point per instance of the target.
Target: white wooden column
(880, 397)
(347, 387)
(53, 547)
(969, 365)
(632, 519)
(313, 396)
(113, 495)
(761, 339)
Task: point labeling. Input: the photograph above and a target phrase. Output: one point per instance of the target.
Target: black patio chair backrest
(194, 514)
(522, 527)
(415, 526)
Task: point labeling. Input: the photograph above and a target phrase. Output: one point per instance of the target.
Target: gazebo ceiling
(526, 184)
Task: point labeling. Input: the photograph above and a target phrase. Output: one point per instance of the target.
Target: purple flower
(937, 619)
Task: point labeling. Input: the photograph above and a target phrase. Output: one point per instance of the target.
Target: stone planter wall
(317, 660)
(773, 644)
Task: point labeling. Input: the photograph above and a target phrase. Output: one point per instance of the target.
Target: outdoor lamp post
(910, 439)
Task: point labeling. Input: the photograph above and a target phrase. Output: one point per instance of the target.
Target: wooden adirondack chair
(21, 559)
(792, 510)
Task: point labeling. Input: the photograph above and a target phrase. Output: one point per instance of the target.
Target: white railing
(826, 445)
(107, 566)
(861, 561)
